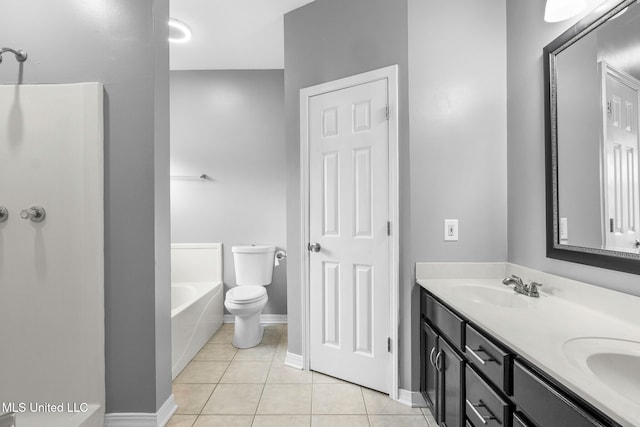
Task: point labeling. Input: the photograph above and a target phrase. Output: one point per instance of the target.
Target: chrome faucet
(519, 287)
(530, 290)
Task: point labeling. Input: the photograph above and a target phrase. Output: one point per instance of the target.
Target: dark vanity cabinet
(470, 379)
(450, 368)
(544, 404)
(443, 366)
(428, 375)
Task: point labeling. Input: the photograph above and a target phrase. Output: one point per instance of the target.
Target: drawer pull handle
(431, 357)
(483, 418)
(437, 364)
(480, 359)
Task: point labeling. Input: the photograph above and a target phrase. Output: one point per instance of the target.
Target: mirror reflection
(597, 84)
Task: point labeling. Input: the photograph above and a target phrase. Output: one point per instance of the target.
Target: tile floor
(224, 386)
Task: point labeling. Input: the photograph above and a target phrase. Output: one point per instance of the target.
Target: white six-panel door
(348, 217)
(622, 204)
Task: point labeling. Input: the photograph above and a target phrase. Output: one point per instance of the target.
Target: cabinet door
(451, 393)
(429, 376)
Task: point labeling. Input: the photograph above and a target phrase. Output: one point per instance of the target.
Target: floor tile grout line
(364, 401)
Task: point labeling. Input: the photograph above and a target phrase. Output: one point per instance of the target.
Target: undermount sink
(615, 363)
(502, 297)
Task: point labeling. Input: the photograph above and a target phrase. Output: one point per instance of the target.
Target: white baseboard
(138, 419)
(413, 399)
(294, 361)
(264, 318)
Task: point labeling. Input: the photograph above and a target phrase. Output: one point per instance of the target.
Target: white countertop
(539, 328)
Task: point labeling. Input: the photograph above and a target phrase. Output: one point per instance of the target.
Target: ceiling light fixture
(559, 10)
(179, 32)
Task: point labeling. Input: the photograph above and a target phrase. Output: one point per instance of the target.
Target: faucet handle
(533, 289)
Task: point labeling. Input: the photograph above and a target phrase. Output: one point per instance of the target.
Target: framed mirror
(592, 97)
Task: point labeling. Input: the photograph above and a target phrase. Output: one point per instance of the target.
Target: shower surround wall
(52, 271)
(122, 44)
(230, 125)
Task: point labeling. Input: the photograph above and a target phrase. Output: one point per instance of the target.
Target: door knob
(4, 214)
(34, 213)
(314, 247)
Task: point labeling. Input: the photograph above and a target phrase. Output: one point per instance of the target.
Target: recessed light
(179, 32)
(559, 10)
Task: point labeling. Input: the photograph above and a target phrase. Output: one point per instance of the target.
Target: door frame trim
(390, 74)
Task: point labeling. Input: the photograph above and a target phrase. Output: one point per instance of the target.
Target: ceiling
(238, 34)
(231, 34)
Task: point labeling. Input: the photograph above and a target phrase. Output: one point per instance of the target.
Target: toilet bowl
(254, 270)
(246, 304)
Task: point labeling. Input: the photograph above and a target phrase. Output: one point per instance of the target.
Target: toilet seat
(246, 294)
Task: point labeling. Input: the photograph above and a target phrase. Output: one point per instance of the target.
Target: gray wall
(327, 40)
(453, 93)
(457, 100)
(162, 204)
(527, 34)
(457, 92)
(579, 135)
(230, 125)
(121, 44)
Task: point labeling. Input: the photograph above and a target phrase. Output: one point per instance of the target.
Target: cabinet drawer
(518, 421)
(544, 405)
(483, 406)
(490, 359)
(448, 323)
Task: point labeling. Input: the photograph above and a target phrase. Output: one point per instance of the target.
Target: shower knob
(4, 214)
(34, 213)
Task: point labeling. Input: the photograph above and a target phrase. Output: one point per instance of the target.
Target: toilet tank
(253, 264)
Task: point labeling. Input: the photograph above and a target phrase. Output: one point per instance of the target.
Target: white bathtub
(196, 299)
(196, 315)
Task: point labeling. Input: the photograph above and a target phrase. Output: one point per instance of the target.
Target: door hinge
(389, 344)
(387, 112)
(388, 228)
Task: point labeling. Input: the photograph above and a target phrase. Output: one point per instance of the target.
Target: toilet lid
(246, 294)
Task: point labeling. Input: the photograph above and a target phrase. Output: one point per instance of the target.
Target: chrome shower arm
(20, 55)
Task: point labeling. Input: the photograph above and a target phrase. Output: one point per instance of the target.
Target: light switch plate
(451, 230)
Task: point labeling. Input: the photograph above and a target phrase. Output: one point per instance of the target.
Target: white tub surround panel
(546, 330)
(52, 334)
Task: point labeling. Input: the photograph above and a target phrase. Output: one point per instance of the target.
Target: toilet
(254, 270)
